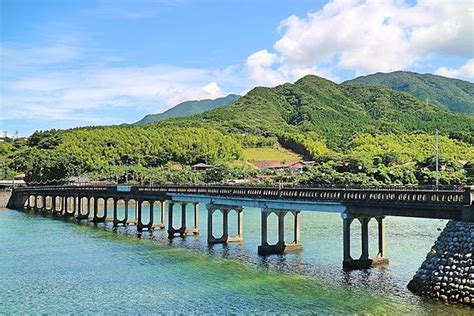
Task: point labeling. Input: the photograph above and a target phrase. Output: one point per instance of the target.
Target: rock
(448, 271)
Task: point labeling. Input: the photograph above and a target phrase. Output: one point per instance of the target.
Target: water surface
(56, 266)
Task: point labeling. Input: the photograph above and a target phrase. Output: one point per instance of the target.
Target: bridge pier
(184, 229)
(225, 210)
(96, 218)
(140, 225)
(28, 204)
(281, 246)
(80, 215)
(58, 205)
(53, 203)
(116, 221)
(161, 225)
(36, 207)
(364, 261)
(67, 206)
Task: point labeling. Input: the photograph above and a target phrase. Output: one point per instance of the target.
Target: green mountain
(456, 95)
(333, 113)
(357, 134)
(189, 108)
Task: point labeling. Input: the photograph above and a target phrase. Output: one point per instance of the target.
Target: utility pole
(437, 158)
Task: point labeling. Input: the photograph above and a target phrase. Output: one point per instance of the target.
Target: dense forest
(356, 134)
(453, 94)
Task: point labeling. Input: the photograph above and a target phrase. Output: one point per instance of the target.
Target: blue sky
(68, 63)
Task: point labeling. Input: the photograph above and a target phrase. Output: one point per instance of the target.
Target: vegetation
(270, 153)
(453, 94)
(357, 134)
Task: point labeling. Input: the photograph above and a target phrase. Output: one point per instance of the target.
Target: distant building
(20, 176)
(296, 166)
(78, 180)
(463, 162)
(201, 167)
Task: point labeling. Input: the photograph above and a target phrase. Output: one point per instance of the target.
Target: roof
(293, 165)
(264, 164)
(79, 179)
(201, 165)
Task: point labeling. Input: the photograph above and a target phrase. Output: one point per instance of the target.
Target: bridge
(361, 204)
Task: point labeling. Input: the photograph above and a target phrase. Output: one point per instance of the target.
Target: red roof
(271, 164)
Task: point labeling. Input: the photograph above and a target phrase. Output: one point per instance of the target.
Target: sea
(56, 266)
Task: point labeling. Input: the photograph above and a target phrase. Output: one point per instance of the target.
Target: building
(78, 180)
(201, 167)
(295, 166)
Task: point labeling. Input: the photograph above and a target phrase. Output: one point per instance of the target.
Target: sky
(69, 63)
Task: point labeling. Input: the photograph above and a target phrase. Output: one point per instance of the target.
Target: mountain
(360, 134)
(456, 95)
(189, 108)
(330, 112)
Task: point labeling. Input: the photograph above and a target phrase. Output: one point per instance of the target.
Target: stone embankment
(447, 274)
(5, 194)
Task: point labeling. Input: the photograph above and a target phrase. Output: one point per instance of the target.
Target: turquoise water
(56, 266)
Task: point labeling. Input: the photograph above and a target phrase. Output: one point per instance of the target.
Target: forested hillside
(332, 113)
(189, 108)
(454, 94)
(356, 134)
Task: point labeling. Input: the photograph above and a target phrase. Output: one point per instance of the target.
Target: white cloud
(61, 80)
(62, 95)
(212, 90)
(464, 71)
(269, 69)
(259, 68)
(365, 37)
(58, 53)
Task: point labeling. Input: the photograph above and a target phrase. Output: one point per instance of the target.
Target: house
(265, 164)
(297, 166)
(201, 167)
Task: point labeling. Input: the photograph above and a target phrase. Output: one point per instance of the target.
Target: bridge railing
(348, 195)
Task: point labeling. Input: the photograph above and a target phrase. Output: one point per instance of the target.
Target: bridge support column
(138, 215)
(116, 221)
(171, 230)
(28, 204)
(67, 207)
(64, 204)
(195, 229)
(80, 215)
(96, 218)
(281, 246)
(364, 261)
(33, 203)
(140, 225)
(53, 203)
(161, 224)
(382, 238)
(225, 238)
(41, 208)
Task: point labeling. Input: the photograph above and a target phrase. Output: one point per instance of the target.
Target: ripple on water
(51, 266)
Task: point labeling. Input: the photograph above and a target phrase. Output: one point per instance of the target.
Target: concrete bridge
(93, 203)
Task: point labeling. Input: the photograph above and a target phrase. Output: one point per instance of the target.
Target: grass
(267, 153)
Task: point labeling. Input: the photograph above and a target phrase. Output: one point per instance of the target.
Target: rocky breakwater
(447, 274)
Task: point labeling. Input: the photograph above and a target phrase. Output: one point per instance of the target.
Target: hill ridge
(188, 107)
(454, 94)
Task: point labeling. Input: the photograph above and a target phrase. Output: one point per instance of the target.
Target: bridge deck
(449, 204)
